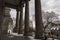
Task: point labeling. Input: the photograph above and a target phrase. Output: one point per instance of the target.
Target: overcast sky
(47, 5)
(51, 5)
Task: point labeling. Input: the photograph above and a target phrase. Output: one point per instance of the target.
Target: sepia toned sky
(46, 5)
(51, 5)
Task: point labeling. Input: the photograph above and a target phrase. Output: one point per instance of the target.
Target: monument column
(26, 30)
(21, 20)
(17, 21)
(38, 20)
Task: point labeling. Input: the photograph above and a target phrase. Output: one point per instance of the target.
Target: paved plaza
(16, 37)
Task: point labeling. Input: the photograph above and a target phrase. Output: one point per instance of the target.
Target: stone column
(26, 30)
(17, 21)
(38, 20)
(2, 12)
(21, 20)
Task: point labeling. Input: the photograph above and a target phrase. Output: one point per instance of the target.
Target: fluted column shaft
(26, 30)
(17, 21)
(21, 20)
(38, 20)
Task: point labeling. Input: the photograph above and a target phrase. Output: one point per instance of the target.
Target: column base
(20, 32)
(28, 34)
(15, 30)
(39, 37)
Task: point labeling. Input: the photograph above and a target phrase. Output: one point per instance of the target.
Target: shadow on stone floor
(16, 38)
(11, 37)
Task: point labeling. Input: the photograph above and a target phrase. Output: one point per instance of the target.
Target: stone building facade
(7, 19)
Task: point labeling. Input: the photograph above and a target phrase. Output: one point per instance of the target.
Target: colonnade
(38, 18)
